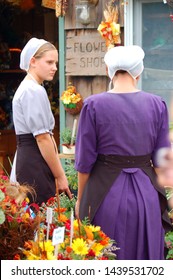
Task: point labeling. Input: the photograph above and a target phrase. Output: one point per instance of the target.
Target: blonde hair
(43, 49)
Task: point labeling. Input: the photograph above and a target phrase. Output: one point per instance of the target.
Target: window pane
(157, 42)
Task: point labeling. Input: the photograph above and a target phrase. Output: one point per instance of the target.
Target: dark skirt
(122, 197)
(31, 169)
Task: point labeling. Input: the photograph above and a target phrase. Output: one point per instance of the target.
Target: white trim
(132, 12)
(128, 22)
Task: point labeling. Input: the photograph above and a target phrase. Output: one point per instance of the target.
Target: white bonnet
(127, 58)
(28, 52)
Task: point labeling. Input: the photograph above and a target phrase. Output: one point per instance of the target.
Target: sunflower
(79, 246)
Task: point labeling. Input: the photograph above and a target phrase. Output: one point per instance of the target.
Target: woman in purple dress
(119, 134)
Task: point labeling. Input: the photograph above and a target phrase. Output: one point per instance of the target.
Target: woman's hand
(62, 185)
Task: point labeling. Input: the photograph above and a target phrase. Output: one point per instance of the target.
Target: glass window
(156, 38)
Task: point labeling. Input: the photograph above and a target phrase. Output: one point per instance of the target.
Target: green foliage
(67, 203)
(169, 244)
(86, 221)
(66, 135)
(71, 174)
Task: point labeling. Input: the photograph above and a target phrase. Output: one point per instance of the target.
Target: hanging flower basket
(72, 108)
(72, 100)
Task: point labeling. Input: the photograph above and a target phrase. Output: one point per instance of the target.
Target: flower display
(16, 224)
(88, 243)
(72, 100)
(28, 235)
(110, 29)
(82, 241)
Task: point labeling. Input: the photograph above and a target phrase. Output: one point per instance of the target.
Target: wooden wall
(85, 50)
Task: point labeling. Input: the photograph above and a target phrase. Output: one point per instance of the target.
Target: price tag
(58, 235)
(49, 215)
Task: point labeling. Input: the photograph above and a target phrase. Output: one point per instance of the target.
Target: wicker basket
(76, 110)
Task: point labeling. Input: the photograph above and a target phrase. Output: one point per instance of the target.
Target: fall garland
(110, 28)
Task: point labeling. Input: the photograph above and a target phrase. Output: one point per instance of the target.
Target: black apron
(104, 173)
(32, 169)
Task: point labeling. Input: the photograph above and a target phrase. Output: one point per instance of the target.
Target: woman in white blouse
(37, 163)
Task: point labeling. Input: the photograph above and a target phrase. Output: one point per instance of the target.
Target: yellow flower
(115, 28)
(94, 228)
(30, 256)
(70, 96)
(79, 246)
(46, 246)
(97, 247)
(25, 217)
(27, 199)
(76, 225)
(50, 256)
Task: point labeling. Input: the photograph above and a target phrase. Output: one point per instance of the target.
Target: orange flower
(62, 218)
(28, 245)
(89, 233)
(61, 210)
(69, 249)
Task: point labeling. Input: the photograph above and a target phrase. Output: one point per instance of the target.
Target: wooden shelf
(11, 71)
(66, 156)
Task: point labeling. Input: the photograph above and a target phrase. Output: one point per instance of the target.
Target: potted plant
(72, 176)
(68, 141)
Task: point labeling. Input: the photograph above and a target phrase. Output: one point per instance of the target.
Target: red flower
(16, 257)
(91, 253)
(9, 218)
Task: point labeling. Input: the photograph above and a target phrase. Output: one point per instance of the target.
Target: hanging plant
(72, 100)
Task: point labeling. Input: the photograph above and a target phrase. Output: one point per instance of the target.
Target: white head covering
(28, 52)
(127, 58)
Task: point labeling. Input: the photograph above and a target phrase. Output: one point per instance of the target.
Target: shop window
(153, 31)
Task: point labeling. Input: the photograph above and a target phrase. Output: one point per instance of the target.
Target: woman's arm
(82, 180)
(48, 149)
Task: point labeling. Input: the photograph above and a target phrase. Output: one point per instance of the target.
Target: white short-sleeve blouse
(31, 109)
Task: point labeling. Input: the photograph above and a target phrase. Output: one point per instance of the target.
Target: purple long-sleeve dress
(127, 124)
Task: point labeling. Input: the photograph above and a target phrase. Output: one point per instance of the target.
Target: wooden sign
(85, 55)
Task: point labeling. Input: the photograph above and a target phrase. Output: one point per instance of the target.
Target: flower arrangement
(28, 235)
(81, 241)
(16, 224)
(110, 29)
(89, 243)
(72, 100)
